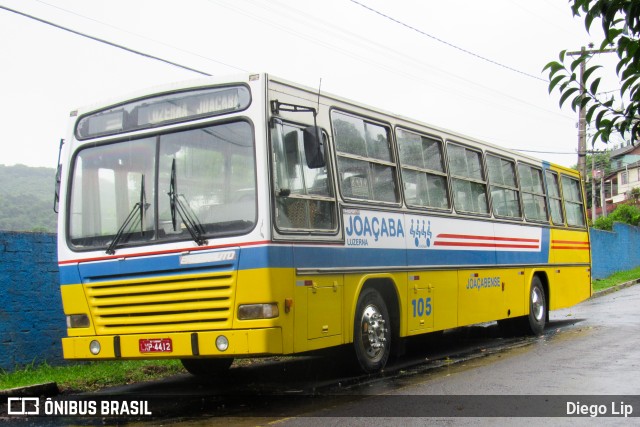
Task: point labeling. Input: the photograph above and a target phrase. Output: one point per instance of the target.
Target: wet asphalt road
(590, 352)
(590, 349)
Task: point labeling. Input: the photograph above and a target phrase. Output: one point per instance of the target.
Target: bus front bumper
(241, 343)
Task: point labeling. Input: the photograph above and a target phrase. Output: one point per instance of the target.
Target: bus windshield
(160, 188)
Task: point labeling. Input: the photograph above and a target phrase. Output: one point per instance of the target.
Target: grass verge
(616, 279)
(91, 375)
(97, 375)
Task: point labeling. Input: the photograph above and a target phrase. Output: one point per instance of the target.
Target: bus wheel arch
(544, 279)
(376, 324)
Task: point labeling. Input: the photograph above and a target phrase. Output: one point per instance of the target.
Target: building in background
(625, 176)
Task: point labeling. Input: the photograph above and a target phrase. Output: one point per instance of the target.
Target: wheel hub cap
(537, 304)
(373, 332)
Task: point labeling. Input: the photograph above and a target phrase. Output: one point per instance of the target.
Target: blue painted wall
(613, 251)
(31, 317)
(32, 321)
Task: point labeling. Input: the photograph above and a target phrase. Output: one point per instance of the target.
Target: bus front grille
(184, 303)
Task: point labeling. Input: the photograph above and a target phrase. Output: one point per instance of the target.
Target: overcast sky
(470, 66)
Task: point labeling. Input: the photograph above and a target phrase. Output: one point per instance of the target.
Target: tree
(26, 199)
(621, 25)
(625, 213)
(600, 160)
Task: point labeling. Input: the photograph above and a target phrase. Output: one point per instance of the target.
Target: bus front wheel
(535, 321)
(207, 368)
(371, 331)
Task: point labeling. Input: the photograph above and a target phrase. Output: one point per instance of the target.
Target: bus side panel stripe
(306, 256)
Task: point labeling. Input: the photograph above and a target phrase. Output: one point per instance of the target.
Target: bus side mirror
(314, 147)
(56, 194)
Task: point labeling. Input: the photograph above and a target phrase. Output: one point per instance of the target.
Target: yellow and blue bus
(251, 216)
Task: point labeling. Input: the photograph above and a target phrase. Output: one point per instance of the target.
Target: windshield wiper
(138, 210)
(178, 203)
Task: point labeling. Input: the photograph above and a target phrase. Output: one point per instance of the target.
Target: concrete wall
(613, 251)
(31, 317)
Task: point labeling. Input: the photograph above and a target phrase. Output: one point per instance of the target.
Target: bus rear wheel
(207, 368)
(371, 331)
(534, 323)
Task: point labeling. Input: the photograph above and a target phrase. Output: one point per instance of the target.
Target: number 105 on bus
(421, 307)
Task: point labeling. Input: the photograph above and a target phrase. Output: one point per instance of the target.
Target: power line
(155, 57)
(543, 152)
(468, 52)
(389, 66)
(112, 44)
(141, 36)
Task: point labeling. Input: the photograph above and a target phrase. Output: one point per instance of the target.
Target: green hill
(26, 199)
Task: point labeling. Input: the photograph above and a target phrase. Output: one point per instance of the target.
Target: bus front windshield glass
(195, 184)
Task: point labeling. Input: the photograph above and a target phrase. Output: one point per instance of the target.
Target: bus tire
(371, 331)
(535, 321)
(207, 368)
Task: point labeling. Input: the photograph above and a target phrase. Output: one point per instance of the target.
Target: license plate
(156, 345)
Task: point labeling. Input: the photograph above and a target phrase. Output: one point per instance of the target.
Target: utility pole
(582, 124)
(582, 113)
(602, 194)
(594, 181)
(593, 186)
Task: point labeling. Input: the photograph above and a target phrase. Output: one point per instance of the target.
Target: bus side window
(573, 204)
(504, 188)
(364, 151)
(423, 173)
(533, 195)
(555, 198)
(468, 179)
(304, 195)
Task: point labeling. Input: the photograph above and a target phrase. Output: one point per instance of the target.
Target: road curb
(45, 389)
(615, 288)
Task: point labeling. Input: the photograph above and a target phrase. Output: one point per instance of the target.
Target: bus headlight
(77, 321)
(258, 311)
(94, 347)
(222, 343)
